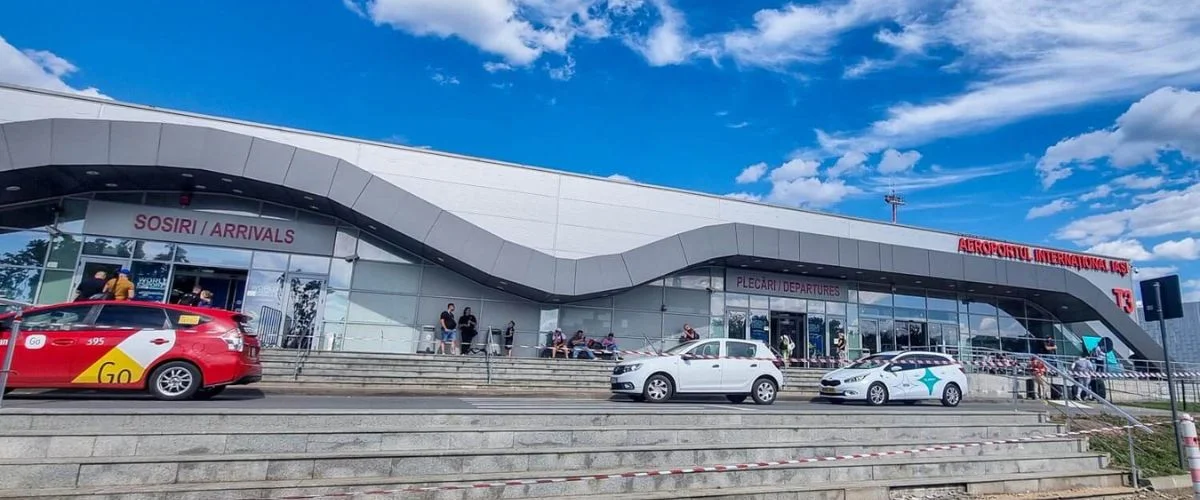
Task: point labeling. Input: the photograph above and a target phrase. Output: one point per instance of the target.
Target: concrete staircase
(228, 454)
(342, 372)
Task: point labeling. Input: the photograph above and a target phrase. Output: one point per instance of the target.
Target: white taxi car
(908, 376)
(734, 368)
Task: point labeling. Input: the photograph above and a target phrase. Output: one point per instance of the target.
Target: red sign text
(1042, 256)
(227, 230)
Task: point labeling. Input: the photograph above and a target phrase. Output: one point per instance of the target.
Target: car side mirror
(687, 357)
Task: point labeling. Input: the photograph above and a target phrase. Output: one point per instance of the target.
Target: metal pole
(9, 350)
(487, 353)
(1162, 330)
(1188, 427)
(1133, 470)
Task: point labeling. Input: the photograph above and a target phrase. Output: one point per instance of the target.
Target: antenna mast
(895, 200)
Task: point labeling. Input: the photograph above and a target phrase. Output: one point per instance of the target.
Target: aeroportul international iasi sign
(1042, 256)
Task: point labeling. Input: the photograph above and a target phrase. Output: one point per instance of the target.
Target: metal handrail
(11, 348)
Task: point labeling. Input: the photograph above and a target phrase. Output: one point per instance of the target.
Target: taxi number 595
(95, 341)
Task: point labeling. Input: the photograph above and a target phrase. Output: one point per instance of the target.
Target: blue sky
(1038, 121)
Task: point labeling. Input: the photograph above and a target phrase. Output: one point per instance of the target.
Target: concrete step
(39, 444)
(286, 385)
(244, 482)
(202, 419)
(1036, 486)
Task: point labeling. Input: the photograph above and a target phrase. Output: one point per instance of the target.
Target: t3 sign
(1124, 298)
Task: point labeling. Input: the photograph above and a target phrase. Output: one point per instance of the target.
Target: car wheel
(764, 391)
(877, 394)
(736, 399)
(658, 389)
(209, 392)
(175, 381)
(952, 395)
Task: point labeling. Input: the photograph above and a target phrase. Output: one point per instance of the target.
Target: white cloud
(721, 113)
(667, 42)
(1054, 207)
(1030, 58)
(738, 125)
(1149, 273)
(444, 79)
(744, 196)
(40, 69)
(810, 191)
(1166, 120)
(914, 181)
(1128, 248)
(519, 31)
(1101, 206)
(1184, 249)
(1100, 192)
(1173, 212)
(496, 67)
(620, 178)
(794, 170)
(894, 162)
(565, 72)
(751, 174)
(1191, 290)
(850, 163)
(1132, 181)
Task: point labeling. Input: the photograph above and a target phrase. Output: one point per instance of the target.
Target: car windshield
(870, 362)
(681, 347)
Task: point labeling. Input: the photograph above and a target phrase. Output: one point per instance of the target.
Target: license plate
(828, 390)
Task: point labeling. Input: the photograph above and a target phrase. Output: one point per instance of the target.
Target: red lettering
(139, 221)
(1124, 298)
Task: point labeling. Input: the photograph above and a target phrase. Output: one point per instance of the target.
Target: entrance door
(790, 325)
(870, 336)
(89, 266)
(737, 322)
(305, 296)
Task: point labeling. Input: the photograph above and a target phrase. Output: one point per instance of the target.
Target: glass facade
(386, 298)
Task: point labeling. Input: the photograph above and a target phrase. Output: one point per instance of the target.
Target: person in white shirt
(1082, 370)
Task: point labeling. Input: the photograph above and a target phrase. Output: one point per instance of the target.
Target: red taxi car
(174, 352)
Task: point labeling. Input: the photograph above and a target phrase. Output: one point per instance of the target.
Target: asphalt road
(251, 399)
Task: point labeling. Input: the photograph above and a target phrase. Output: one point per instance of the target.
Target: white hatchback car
(908, 376)
(734, 368)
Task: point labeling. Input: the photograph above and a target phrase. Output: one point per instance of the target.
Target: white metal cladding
(562, 214)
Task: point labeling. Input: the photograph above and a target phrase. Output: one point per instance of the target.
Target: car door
(48, 345)
(123, 342)
(699, 369)
(740, 367)
(901, 376)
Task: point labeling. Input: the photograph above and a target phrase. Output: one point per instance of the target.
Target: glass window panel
(341, 273)
(496, 314)
(222, 204)
(981, 305)
(315, 218)
(150, 280)
(310, 264)
(687, 301)
(852, 314)
(56, 287)
(279, 212)
(736, 324)
(853, 295)
(64, 252)
(879, 296)
(950, 335)
(383, 308)
(442, 282)
(912, 314)
(737, 300)
(590, 321)
(673, 325)
(23, 248)
(1037, 312)
(835, 308)
(131, 316)
(631, 325)
(695, 279)
(270, 261)
(371, 248)
(716, 326)
(213, 256)
(788, 304)
(108, 247)
(1011, 308)
(985, 326)
(264, 304)
(943, 316)
(909, 298)
(337, 306)
(942, 302)
(380, 338)
(33, 216)
(816, 306)
(1012, 328)
(718, 279)
(868, 311)
(935, 336)
(70, 220)
(154, 250)
(19, 283)
(548, 320)
(887, 335)
(758, 325)
(815, 340)
(760, 302)
(429, 309)
(345, 244)
(642, 298)
(717, 304)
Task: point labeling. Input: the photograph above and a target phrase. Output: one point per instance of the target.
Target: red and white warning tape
(712, 468)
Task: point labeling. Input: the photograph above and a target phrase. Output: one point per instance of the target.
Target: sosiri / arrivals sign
(205, 228)
(785, 285)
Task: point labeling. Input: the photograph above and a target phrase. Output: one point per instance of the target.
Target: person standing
(120, 287)
(446, 322)
(91, 288)
(1038, 369)
(510, 336)
(192, 298)
(205, 300)
(839, 346)
(1082, 370)
(467, 329)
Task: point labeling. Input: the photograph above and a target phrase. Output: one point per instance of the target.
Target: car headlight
(626, 368)
(852, 380)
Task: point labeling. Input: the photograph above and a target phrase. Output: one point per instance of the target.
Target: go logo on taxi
(127, 361)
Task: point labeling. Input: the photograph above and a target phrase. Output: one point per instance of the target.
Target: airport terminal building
(353, 245)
